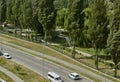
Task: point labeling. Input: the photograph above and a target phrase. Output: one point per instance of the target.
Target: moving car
(74, 76)
(7, 56)
(53, 77)
(1, 80)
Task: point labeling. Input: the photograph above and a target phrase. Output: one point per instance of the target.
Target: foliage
(46, 13)
(96, 22)
(60, 18)
(2, 11)
(59, 4)
(114, 37)
(74, 21)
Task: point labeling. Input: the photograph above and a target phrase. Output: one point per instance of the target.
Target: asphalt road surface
(39, 65)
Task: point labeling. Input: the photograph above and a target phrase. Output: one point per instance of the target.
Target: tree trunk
(115, 72)
(20, 32)
(115, 65)
(96, 60)
(45, 37)
(73, 52)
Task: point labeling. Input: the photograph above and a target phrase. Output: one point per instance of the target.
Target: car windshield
(58, 78)
(76, 75)
(7, 55)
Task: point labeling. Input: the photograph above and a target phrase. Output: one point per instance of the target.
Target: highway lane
(39, 65)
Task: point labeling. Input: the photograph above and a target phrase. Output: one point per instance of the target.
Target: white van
(53, 77)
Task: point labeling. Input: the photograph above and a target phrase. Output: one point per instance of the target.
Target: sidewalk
(11, 75)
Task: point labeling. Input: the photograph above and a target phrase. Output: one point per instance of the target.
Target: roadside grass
(46, 50)
(5, 77)
(22, 72)
(87, 50)
(90, 51)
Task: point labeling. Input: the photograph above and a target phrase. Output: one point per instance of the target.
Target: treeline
(91, 23)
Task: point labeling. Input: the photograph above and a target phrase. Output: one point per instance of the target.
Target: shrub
(17, 67)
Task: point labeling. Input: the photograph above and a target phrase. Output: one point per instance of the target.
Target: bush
(17, 67)
(54, 34)
(105, 57)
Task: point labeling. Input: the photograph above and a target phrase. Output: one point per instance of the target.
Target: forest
(88, 23)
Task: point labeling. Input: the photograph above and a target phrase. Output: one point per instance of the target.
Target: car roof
(5, 53)
(74, 74)
(54, 74)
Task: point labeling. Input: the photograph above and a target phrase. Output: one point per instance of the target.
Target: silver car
(7, 56)
(74, 76)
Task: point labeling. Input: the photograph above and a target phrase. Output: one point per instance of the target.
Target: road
(39, 65)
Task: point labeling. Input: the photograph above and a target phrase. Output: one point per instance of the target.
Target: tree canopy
(113, 44)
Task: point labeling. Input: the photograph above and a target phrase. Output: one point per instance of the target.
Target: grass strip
(5, 77)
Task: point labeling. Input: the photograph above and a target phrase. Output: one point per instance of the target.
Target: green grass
(87, 50)
(48, 51)
(5, 77)
(58, 40)
(91, 51)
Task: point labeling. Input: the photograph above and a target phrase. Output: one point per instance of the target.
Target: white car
(7, 56)
(1, 80)
(53, 77)
(74, 76)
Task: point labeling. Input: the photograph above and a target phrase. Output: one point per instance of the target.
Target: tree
(59, 4)
(2, 11)
(47, 14)
(96, 22)
(15, 11)
(9, 12)
(60, 18)
(37, 26)
(113, 43)
(74, 22)
(27, 14)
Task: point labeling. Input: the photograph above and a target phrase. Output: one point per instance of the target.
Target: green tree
(74, 22)
(113, 43)
(60, 18)
(32, 21)
(59, 4)
(96, 23)
(15, 14)
(15, 11)
(27, 14)
(46, 13)
(2, 11)
(9, 12)
(36, 25)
